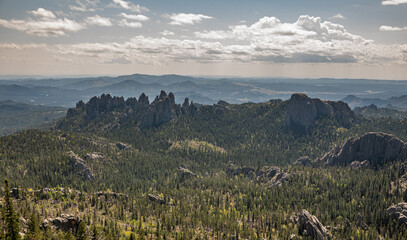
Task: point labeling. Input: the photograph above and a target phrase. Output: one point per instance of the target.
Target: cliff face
(302, 112)
(376, 148)
(162, 110)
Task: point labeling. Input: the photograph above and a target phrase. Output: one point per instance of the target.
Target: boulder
(64, 222)
(94, 156)
(399, 212)
(309, 225)
(303, 161)
(155, 199)
(122, 146)
(80, 166)
(302, 111)
(355, 165)
(377, 148)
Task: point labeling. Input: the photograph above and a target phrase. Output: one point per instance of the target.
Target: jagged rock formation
(359, 165)
(184, 173)
(303, 161)
(64, 222)
(271, 175)
(80, 166)
(398, 212)
(116, 110)
(309, 226)
(376, 148)
(302, 112)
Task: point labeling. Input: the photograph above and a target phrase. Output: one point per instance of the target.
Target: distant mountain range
(399, 103)
(16, 116)
(67, 91)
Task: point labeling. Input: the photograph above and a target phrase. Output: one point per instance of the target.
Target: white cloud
(139, 17)
(392, 29)
(129, 6)
(187, 18)
(337, 16)
(307, 40)
(167, 33)
(394, 2)
(125, 23)
(47, 25)
(42, 13)
(84, 5)
(98, 21)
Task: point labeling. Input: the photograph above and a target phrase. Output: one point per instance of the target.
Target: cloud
(128, 6)
(392, 29)
(84, 5)
(268, 40)
(394, 2)
(42, 13)
(98, 21)
(167, 33)
(46, 25)
(337, 16)
(125, 23)
(187, 18)
(139, 17)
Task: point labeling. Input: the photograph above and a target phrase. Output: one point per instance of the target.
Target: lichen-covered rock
(399, 212)
(377, 148)
(64, 222)
(309, 226)
(303, 161)
(80, 166)
(302, 111)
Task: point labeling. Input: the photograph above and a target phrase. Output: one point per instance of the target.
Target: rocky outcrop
(376, 148)
(64, 222)
(185, 173)
(309, 226)
(303, 161)
(80, 166)
(155, 199)
(122, 146)
(271, 175)
(112, 195)
(355, 165)
(302, 111)
(399, 212)
(163, 109)
(234, 170)
(274, 176)
(94, 156)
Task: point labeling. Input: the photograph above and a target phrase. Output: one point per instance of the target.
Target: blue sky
(313, 38)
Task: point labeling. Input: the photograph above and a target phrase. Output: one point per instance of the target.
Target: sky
(263, 38)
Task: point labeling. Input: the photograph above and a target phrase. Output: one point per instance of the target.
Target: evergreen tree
(82, 235)
(10, 217)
